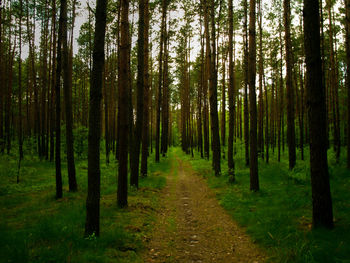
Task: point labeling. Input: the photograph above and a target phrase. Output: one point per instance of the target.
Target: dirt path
(193, 227)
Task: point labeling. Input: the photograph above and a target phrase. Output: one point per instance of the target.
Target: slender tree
(123, 101)
(246, 108)
(58, 102)
(231, 91)
(347, 26)
(321, 195)
(20, 133)
(289, 85)
(92, 225)
(261, 95)
(2, 85)
(254, 178)
(160, 76)
(146, 106)
(213, 97)
(134, 176)
(68, 106)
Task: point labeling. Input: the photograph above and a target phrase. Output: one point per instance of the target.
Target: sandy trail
(192, 226)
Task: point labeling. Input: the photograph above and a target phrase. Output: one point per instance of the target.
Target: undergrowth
(279, 216)
(34, 227)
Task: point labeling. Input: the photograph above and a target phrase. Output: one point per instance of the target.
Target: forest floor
(193, 227)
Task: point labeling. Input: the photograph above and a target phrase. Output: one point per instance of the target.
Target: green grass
(34, 227)
(279, 216)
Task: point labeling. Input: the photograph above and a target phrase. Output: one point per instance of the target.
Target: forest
(175, 131)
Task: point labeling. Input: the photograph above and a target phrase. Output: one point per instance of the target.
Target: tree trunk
(92, 224)
(254, 178)
(135, 155)
(68, 106)
(20, 135)
(223, 104)
(246, 107)
(160, 77)
(58, 103)
(231, 94)
(53, 83)
(165, 98)
(321, 195)
(2, 86)
(200, 92)
(145, 127)
(122, 193)
(213, 96)
(347, 25)
(289, 86)
(261, 95)
(333, 80)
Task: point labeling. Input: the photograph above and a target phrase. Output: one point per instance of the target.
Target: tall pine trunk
(135, 154)
(289, 86)
(58, 103)
(68, 106)
(146, 106)
(231, 94)
(347, 25)
(213, 97)
(160, 77)
(254, 178)
(123, 102)
(20, 133)
(246, 107)
(92, 224)
(321, 195)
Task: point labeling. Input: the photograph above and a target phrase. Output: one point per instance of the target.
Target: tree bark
(213, 97)
(334, 86)
(53, 83)
(123, 96)
(145, 127)
(254, 178)
(68, 106)
(289, 86)
(134, 176)
(316, 104)
(231, 94)
(160, 77)
(92, 224)
(347, 26)
(246, 107)
(20, 133)
(58, 104)
(261, 95)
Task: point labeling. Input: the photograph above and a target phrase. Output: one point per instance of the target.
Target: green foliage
(34, 227)
(81, 141)
(279, 216)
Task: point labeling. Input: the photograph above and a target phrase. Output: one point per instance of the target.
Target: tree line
(274, 75)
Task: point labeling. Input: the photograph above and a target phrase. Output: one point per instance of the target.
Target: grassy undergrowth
(34, 227)
(279, 216)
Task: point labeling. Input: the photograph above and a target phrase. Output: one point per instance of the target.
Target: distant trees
(188, 99)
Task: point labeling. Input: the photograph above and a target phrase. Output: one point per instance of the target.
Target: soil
(191, 226)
